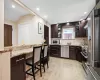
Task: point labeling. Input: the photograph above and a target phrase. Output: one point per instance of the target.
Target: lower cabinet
(65, 51)
(75, 53)
(55, 50)
(18, 68)
(72, 52)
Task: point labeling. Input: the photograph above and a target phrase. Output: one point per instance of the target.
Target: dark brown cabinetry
(55, 50)
(80, 32)
(18, 68)
(78, 53)
(75, 53)
(72, 52)
(54, 31)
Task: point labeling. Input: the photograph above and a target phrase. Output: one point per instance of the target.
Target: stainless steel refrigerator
(97, 41)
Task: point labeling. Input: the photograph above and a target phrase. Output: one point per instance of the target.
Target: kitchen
(68, 37)
(72, 44)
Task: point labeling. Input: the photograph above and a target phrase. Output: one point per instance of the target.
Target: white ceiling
(13, 14)
(59, 11)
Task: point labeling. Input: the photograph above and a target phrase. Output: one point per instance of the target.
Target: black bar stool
(34, 61)
(45, 57)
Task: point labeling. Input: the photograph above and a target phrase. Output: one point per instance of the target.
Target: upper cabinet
(54, 31)
(80, 30)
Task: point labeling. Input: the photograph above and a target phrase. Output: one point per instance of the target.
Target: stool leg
(44, 67)
(33, 72)
(40, 70)
(47, 63)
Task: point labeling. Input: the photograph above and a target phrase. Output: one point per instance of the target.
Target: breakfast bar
(18, 56)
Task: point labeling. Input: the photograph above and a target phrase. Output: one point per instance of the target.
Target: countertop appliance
(55, 41)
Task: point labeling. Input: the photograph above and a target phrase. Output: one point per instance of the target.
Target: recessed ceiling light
(67, 21)
(38, 9)
(85, 12)
(13, 6)
(45, 16)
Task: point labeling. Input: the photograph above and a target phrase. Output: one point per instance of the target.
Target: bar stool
(44, 57)
(34, 61)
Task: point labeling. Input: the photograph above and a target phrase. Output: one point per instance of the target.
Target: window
(68, 33)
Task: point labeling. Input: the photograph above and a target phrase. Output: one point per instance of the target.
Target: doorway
(46, 34)
(7, 35)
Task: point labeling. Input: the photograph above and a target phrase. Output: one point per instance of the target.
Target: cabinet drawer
(55, 46)
(17, 60)
(71, 47)
(55, 53)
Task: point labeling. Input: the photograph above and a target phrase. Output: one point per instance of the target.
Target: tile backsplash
(76, 41)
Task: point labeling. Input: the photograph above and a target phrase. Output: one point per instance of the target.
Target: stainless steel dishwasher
(65, 51)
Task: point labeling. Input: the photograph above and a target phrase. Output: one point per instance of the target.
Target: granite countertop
(65, 45)
(20, 52)
(23, 50)
(20, 49)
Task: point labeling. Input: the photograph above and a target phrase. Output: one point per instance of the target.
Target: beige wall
(5, 66)
(28, 19)
(0, 66)
(1, 24)
(34, 37)
(25, 19)
(4, 58)
(1, 32)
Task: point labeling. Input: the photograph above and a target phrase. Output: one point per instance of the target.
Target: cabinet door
(18, 68)
(78, 54)
(54, 31)
(55, 50)
(54, 53)
(82, 32)
(72, 52)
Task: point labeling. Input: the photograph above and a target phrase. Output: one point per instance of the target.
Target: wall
(35, 37)
(5, 57)
(1, 24)
(14, 31)
(76, 41)
(32, 23)
(5, 66)
(1, 32)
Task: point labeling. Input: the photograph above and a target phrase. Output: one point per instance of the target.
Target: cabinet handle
(19, 59)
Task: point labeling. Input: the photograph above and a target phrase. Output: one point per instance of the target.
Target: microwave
(55, 41)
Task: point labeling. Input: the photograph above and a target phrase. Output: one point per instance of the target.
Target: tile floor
(62, 69)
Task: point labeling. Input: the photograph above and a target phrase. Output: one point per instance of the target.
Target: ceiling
(59, 11)
(13, 14)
